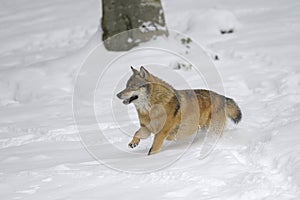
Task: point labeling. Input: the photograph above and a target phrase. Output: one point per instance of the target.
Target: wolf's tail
(232, 110)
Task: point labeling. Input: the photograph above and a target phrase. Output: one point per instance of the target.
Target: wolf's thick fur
(171, 114)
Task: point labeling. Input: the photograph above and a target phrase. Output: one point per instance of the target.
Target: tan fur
(173, 114)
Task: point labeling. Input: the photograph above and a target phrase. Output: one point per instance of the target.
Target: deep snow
(43, 45)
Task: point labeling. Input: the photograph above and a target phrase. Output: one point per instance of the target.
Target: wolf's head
(136, 87)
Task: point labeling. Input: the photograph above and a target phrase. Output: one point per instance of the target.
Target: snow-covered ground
(43, 45)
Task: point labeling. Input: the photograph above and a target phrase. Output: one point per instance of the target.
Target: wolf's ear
(134, 70)
(143, 72)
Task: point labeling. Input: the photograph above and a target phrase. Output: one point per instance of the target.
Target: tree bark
(127, 23)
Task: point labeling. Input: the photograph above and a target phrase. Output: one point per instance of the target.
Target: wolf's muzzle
(119, 95)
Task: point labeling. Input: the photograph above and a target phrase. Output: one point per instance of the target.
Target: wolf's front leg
(142, 133)
(159, 139)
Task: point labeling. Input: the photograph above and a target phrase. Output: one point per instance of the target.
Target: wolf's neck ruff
(155, 80)
(142, 103)
(157, 92)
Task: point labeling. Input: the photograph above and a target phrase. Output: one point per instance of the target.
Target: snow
(44, 155)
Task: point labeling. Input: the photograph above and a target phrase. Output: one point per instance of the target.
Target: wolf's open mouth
(129, 100)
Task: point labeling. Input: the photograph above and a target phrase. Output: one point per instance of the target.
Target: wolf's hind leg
(142, 133)
(217, 123)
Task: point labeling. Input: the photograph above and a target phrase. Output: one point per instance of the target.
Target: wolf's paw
(134, 142)
(152, 151)
(132, 145)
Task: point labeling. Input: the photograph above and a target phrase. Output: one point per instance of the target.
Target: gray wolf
(170, 114)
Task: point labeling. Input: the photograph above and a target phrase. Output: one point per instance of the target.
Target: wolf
(172, 114)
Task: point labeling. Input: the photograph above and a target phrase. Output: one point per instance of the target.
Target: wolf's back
(232, 110)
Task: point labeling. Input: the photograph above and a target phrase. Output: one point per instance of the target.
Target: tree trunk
(131, 22)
